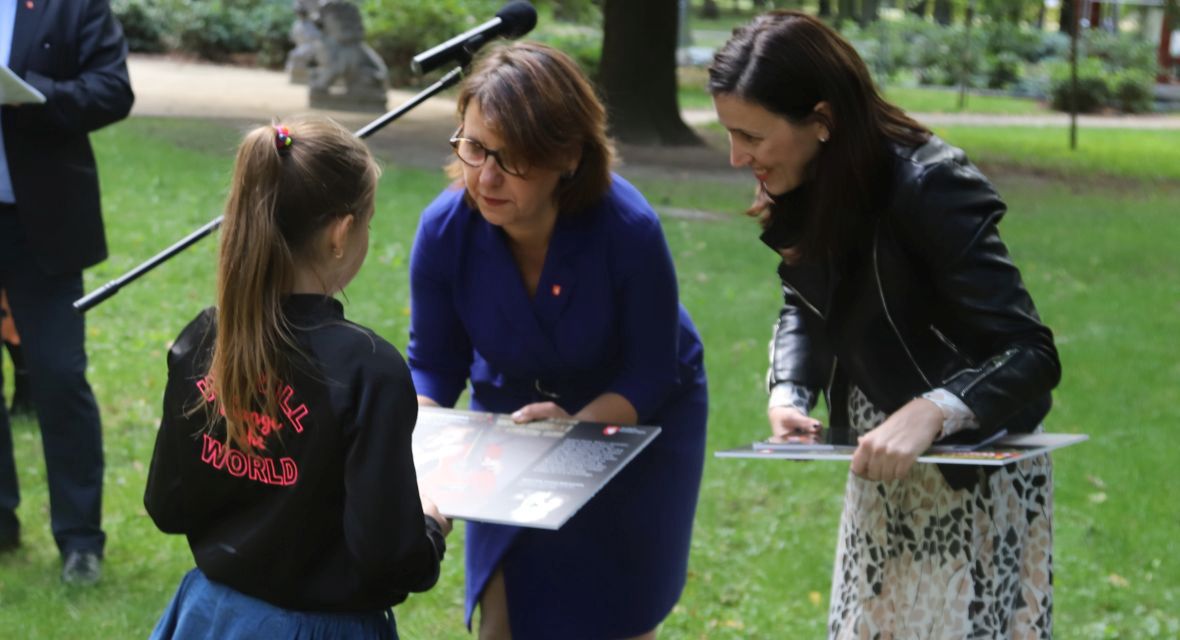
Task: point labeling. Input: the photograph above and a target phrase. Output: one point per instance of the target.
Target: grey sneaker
(81, 568)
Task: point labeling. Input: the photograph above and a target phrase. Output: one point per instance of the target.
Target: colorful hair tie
(283, 139)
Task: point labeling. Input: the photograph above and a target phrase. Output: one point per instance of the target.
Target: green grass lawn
(937, 100)
(1150, 157)
(1097, 251)
(693, 95)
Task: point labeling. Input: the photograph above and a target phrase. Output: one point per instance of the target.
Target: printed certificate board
(13, 90)
(1001, 451)
(487, 468)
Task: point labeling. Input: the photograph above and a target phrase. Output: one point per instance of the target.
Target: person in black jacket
(50, 230)
(283, 452)
(901, 305)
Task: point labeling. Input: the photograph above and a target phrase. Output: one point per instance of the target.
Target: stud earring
(823, 139)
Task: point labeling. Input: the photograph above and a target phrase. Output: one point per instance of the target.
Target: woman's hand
(788, 424)
(431, 509)
(424, 401)
(888, 452)
(609, 407)
(539, 411)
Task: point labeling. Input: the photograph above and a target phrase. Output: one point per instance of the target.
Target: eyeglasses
(474, 154)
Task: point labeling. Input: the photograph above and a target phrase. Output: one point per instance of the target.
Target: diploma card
(13, 90)
(1002, 451)
(487, 468)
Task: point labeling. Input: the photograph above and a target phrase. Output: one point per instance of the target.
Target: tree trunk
(942, 12)
(825, 9)
(638, 73)
(919, 9)
(1066, 17)
(868, 12)
(710, 10)
(846, 11)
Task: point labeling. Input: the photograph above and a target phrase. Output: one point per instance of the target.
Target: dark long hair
(788, 62)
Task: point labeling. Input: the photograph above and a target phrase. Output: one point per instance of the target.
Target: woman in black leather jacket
(902, 306)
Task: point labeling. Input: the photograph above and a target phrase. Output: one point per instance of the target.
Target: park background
(1094, 231)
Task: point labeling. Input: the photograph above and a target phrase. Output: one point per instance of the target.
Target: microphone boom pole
(513, 20)
(92, 299)
(86, 302)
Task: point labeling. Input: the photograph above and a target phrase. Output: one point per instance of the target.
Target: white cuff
(789, 394)
(956, 415)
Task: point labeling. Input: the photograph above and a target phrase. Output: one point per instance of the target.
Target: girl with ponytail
(284, 449)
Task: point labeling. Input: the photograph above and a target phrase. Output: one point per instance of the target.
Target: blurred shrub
(1132, 90)
(210, 29)
(1120, 50)
(400, 29)
(216, 29)
(1004, 69)
(1117, 70)
(582, 44)
(885, 45)
(144, 24)
(1092, 93)
(1022, 42)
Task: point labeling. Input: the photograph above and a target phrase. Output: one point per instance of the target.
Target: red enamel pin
(556, 289)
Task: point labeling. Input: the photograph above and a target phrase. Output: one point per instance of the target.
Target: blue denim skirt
(203, 609)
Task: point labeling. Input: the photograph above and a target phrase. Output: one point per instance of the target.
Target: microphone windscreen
(519, 18)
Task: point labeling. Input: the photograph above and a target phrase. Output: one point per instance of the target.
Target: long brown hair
(788, 62)
(538, 100)
(281, 197)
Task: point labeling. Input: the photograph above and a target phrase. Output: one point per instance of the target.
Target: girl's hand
(887, 452)
(788, 424)
(431, 509)
(539, 411)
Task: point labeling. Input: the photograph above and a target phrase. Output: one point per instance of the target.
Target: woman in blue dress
(545, 280)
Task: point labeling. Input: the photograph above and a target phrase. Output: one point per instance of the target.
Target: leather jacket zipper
(835, 360)
(950, 345)
(885, 307)
(992, 367)
(809, 305)
(831, 380)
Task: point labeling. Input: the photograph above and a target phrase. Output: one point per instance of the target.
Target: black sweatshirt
(324, 514)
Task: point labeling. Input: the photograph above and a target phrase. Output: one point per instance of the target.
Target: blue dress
(605, 318)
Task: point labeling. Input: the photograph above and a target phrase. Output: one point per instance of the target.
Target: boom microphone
(511, 21)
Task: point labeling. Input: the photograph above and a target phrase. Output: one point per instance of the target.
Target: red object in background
(7, 328)
(1164, 57)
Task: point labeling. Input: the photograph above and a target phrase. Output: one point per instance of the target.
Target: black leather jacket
(933, 300)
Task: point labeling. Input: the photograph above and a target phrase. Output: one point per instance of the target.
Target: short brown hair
(539, 101)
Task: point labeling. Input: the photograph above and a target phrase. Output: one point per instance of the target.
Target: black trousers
(53, 340)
